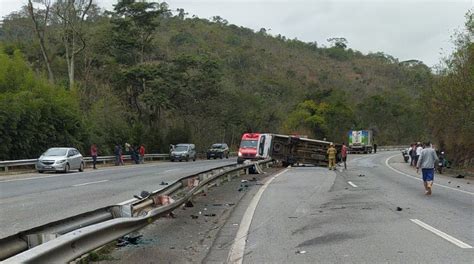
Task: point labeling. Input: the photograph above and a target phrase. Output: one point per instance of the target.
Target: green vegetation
(143, 74)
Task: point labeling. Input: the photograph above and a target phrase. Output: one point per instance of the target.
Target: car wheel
(194, 158)
(81, 167)
(187, 158)
(66, 168)
(208, 157)
(40, 171)
(227, 156)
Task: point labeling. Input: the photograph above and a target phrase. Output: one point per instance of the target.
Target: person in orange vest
(332, 156)
(141, 152)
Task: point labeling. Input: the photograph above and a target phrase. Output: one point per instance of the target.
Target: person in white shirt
(419, 148)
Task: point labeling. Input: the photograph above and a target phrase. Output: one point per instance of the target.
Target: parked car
(183, 152)
(60, 159)
(218, 150)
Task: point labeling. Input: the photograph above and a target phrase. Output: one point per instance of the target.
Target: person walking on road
(344, 155)
(141, 151)
(94, 155)
(332, 156)
(426, 162)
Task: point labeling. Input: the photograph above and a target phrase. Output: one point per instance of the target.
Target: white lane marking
(32, 178)
(416, 178)
(236, 253)
(451, 239)
(87, 183)
(352, 184)
(170, 170)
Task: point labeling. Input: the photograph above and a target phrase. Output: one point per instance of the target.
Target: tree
(71, 16)
(40, 20)
(340, 43)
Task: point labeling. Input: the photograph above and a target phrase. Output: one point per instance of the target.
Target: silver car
(183, 152)
(60, 159)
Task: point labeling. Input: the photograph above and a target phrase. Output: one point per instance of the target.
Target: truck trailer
(360, 141)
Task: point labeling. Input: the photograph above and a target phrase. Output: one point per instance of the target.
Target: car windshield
(181, 148)
(248, 144)
(217, 146)
(55, 152)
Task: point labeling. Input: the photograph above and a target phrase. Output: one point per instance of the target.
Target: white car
(60, 159)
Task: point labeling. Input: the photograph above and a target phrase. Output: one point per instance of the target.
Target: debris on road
(460, 176)
(399, 208)
(300, 252)
(126, 240)
(189, 204)
(163, 183)
(361, 175)
(458, 186)
(210, 215)
(194, 216)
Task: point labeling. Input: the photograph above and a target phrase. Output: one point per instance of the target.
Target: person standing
(418, 150)
(94, 155)
(426, 162)
(117, 153)
(375, 148)
(332, 156)
(141, 151)
(344, 155)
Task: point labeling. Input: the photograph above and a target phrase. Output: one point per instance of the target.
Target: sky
(405, 29)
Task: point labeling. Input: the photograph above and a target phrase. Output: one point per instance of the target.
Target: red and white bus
(254, 146)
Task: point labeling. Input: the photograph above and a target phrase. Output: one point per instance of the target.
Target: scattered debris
(254, 179)
(300, 252)
(243, 181)
(460, 176)
(292, 217)
(458, 186)
(217, 205)
(361, 175)
(210, 215)
(449, 182)
(399, 208)
(194, 216)
(142, 195)
(468, 183)
(235, 224)
(126, 240)
(231, 204)
(163, 183)
(189, 204)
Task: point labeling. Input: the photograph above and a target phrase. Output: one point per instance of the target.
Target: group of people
(136, 153)
(424, 157)
(332, 153)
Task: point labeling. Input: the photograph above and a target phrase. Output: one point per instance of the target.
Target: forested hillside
(76, 75)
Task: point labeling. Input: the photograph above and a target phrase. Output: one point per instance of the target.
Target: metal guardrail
(31, 162)
(70, 238)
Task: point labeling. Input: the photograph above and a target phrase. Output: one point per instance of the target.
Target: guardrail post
(6, 168)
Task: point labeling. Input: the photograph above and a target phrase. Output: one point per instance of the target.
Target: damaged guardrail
(70, 238)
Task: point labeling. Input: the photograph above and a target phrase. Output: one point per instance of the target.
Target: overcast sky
(406, 29)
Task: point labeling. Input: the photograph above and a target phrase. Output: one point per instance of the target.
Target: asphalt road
(313, 215)
(30, 200)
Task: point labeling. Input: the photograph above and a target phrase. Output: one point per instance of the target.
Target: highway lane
(30, 200)
(312, 215)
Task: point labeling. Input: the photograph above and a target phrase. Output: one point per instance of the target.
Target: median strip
(451, 239)
(87, 183)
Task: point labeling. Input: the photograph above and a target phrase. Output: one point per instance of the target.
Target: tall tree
(40, 18)
(71, 15)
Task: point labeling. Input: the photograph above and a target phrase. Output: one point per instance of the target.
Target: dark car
(218, 150)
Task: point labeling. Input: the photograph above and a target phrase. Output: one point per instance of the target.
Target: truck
(360, 141)
(291, 150)
(254, 146)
